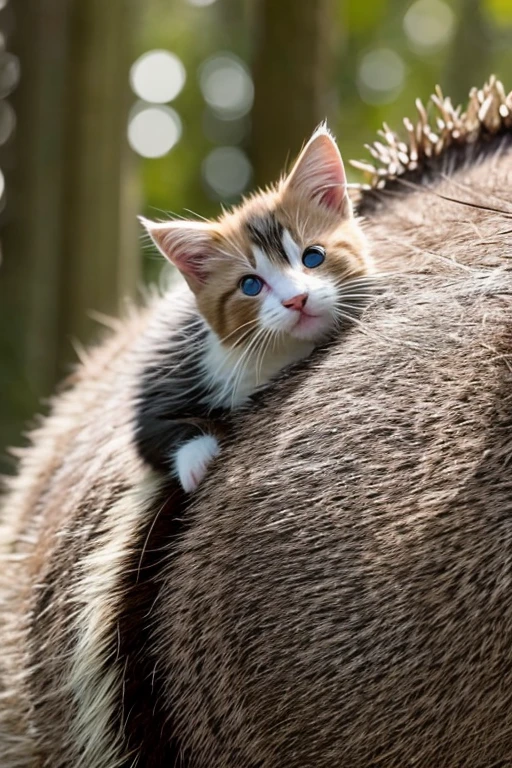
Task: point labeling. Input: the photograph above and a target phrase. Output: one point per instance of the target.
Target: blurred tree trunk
(470, 51)
(292, 67)
(95, 272)
(62, 253)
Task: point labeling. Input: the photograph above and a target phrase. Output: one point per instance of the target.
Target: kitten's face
(281, 264)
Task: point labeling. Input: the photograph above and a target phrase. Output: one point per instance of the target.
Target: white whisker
(264, 348)
(241, 366)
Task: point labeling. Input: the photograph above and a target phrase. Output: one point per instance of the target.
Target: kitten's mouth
(305, 317)
(308, 326)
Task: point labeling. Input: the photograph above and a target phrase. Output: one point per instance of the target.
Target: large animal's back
(345, 598)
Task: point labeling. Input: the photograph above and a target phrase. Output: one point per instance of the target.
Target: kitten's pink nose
(296, 302)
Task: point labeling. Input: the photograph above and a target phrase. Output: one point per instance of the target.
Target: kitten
(268, 282)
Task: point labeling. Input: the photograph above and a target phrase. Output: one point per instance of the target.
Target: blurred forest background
(109, 108)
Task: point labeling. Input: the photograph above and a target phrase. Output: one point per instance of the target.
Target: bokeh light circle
(7, 121)
(227, 86)
(9, 73)
(381, 76)
(429, 24)
(157, 76)
(153, 130)
(227, 171)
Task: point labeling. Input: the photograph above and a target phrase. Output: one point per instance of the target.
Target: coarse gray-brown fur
(338, 593)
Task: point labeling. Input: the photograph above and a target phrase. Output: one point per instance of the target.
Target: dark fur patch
(266, 232)
(144, 726)
(171, 406)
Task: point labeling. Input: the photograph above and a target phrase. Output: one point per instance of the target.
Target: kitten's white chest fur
(235, 374)
(232, 376)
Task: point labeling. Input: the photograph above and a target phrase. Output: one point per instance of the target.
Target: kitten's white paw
(192, 460)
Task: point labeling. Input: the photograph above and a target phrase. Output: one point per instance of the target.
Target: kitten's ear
(186, 244)
(319, 175)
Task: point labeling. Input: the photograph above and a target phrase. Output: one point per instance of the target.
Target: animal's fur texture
(338, 593)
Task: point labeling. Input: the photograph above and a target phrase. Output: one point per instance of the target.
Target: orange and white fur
(270, 280)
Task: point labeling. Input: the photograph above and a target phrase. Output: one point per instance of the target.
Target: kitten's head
(283, 263)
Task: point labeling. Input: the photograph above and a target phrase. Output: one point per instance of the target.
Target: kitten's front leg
(191, 461)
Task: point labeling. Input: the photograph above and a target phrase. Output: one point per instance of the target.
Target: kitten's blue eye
(313, 256)
(251, 285)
